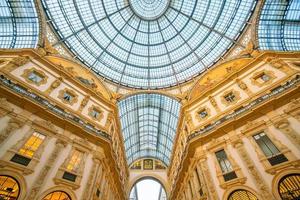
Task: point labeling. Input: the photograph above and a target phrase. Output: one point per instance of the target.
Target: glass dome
(148, 44)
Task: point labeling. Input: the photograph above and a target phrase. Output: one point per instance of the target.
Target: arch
(10, 188)
(62, 189)
(278, 177)
(149, 175)
(19, 179)
(149, 124)
(228, 193)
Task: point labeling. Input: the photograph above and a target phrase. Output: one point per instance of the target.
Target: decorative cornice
(5, 82)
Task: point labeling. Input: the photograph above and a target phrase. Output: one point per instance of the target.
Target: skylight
(19, 27)
(148, 44)
(279, 27)
(149, 123)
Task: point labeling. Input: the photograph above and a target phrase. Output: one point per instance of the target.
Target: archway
(241, 194)
(289, 187)
(148, 188)
(9, 188)
(57, 195)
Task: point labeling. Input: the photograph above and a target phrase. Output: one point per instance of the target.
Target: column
(208, 179)
(38, 183)
(284, 126)
(13, 124)
(260, 183)
(88, 190)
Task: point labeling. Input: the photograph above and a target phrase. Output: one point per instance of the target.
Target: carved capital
(13, 124)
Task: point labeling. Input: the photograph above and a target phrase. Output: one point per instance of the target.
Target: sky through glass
(148, 43)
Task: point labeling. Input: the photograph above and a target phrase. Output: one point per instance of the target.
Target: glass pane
(19, 26)
(149, 123)
(9, 188)
(155, 45)
(279, 28)
(266, 145)
(32, 144)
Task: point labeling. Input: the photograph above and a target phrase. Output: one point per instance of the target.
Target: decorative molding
(40, 179)
(55, 84)
(214, 103)
(15, 63)
(83, 103)
(5, 107)
(293, 109)
(282, 150)
(284, 126)
(206, 109)
(256, 176)
(279, 64)
(236, 94)
(71, 92)
(98, 109)
(13, 124)
(42, 74)
(208, 179)
(256, 76)
(91, 180)
(243, 86)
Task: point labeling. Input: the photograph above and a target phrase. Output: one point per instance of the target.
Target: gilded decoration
(240, 178)
(264, 77)
(15, 63)
(27, 72)
(55, 84)
(256, 128)
(95, 112)
(73, 95)
(230, 97)
(203, 113)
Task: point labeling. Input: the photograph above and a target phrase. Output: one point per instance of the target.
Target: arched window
(9, 188)
(289, 187)
(57, 195)
(242, 195)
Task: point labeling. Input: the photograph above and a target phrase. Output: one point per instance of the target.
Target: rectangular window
(264, 77)
(266, 145)
(35, 77)
(230, 97)
(95, 113)
(203, 113)
(32, 144)
(75, 160)
(69, 176)
(68, 97)
(223, 161)
(269, 149)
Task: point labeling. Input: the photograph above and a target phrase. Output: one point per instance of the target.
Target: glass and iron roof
(19, 26)
(149, 123)
(279, 26)
(148, 44)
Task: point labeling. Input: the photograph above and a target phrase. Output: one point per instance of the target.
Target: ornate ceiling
(148, 44)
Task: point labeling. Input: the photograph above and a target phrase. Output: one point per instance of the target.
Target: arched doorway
(148, 189)
(9, 188)
(289, 187)
(242, 195)
(57, 195)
